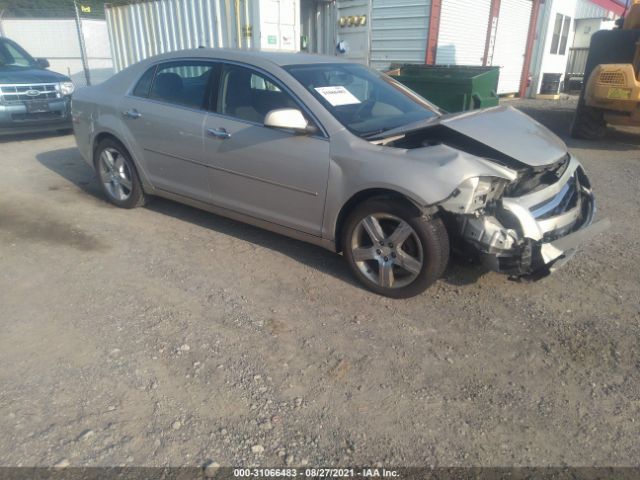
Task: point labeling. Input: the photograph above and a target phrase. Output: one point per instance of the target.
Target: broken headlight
(475, 193)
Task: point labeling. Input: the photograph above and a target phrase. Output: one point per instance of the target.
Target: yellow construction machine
(611, 94)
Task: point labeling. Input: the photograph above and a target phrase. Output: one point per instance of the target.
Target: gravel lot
(169, 336)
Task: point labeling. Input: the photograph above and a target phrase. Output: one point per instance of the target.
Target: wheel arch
(108, 134)
(363, 196)
(98, 139)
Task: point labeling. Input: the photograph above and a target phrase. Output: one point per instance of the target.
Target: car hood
(10, 75)
(510, 132)
(499, 133)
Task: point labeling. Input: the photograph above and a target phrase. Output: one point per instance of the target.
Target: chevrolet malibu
(340, 156)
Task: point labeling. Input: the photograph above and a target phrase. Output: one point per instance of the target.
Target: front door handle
(133, 113)
(218, 133)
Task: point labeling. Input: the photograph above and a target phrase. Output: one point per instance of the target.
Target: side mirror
(289, 119)
(42, 62)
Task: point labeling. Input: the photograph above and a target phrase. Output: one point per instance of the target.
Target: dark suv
(32, 98)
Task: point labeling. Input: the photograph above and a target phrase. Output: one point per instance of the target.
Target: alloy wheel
(115, 174)
(387, 250)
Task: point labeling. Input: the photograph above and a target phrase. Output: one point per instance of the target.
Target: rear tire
(392, 249)
(117, 175)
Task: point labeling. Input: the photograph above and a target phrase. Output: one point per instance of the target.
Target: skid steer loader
(611, 94)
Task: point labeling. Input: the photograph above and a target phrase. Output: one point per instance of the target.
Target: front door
(165, 116)
(270, 174)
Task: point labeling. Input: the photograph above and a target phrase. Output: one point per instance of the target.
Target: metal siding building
(374, 32)
(355, 38)
(586, 9)
(399, 31)
(486, 32)
(142, 30)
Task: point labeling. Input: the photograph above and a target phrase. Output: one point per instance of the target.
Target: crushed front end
(531, 225)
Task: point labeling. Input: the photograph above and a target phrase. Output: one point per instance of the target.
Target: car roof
(279, 58)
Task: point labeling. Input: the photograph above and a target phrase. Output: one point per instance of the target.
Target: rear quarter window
(143, 86)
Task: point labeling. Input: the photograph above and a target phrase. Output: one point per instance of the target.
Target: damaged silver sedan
(341, 156)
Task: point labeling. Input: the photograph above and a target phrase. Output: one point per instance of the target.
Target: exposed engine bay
(524, 224)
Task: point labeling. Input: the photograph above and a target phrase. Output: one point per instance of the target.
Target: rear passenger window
(182, 83)
(144, 84)
(249, 95)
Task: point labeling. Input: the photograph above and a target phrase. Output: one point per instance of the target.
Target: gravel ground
(169, 336)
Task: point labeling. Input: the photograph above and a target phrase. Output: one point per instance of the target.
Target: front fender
(426, 176)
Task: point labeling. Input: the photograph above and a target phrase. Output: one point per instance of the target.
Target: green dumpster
(453, 88)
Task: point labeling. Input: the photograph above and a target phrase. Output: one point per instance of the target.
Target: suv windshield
(12, 54)
(367, 102)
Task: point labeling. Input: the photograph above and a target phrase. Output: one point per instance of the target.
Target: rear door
(165, 115)
(271, 174)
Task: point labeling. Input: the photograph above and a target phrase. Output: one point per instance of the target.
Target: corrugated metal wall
(146, 29)
(357, 38)
(463, 32)
(587, 9)
(399, 30)
(142, 30)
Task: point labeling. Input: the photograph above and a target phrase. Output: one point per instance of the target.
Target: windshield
(12, 54)
(367, 102)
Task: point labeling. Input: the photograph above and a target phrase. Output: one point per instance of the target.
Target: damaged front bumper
(534, 234)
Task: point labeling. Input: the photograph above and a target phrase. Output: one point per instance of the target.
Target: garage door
(463, 32)
(511, 43)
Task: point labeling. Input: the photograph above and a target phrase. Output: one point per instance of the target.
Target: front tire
(393, 250)
(117, 175)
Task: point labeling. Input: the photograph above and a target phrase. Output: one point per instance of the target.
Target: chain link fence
(73, 37)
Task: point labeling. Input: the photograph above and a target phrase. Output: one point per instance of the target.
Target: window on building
(565, 36)
(560, 34)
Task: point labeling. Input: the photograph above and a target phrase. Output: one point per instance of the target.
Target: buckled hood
(511, 133)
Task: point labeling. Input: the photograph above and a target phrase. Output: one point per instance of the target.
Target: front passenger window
(249, 95)
(182, 83)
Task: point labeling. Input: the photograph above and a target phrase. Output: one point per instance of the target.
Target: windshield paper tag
(337, 96)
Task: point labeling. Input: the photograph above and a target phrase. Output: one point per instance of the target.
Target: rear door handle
(133, 113)
(218, 133)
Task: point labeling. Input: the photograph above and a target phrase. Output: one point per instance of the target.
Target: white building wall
(546, 61)
(57, 41)
(279, 27)
(586, 27)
